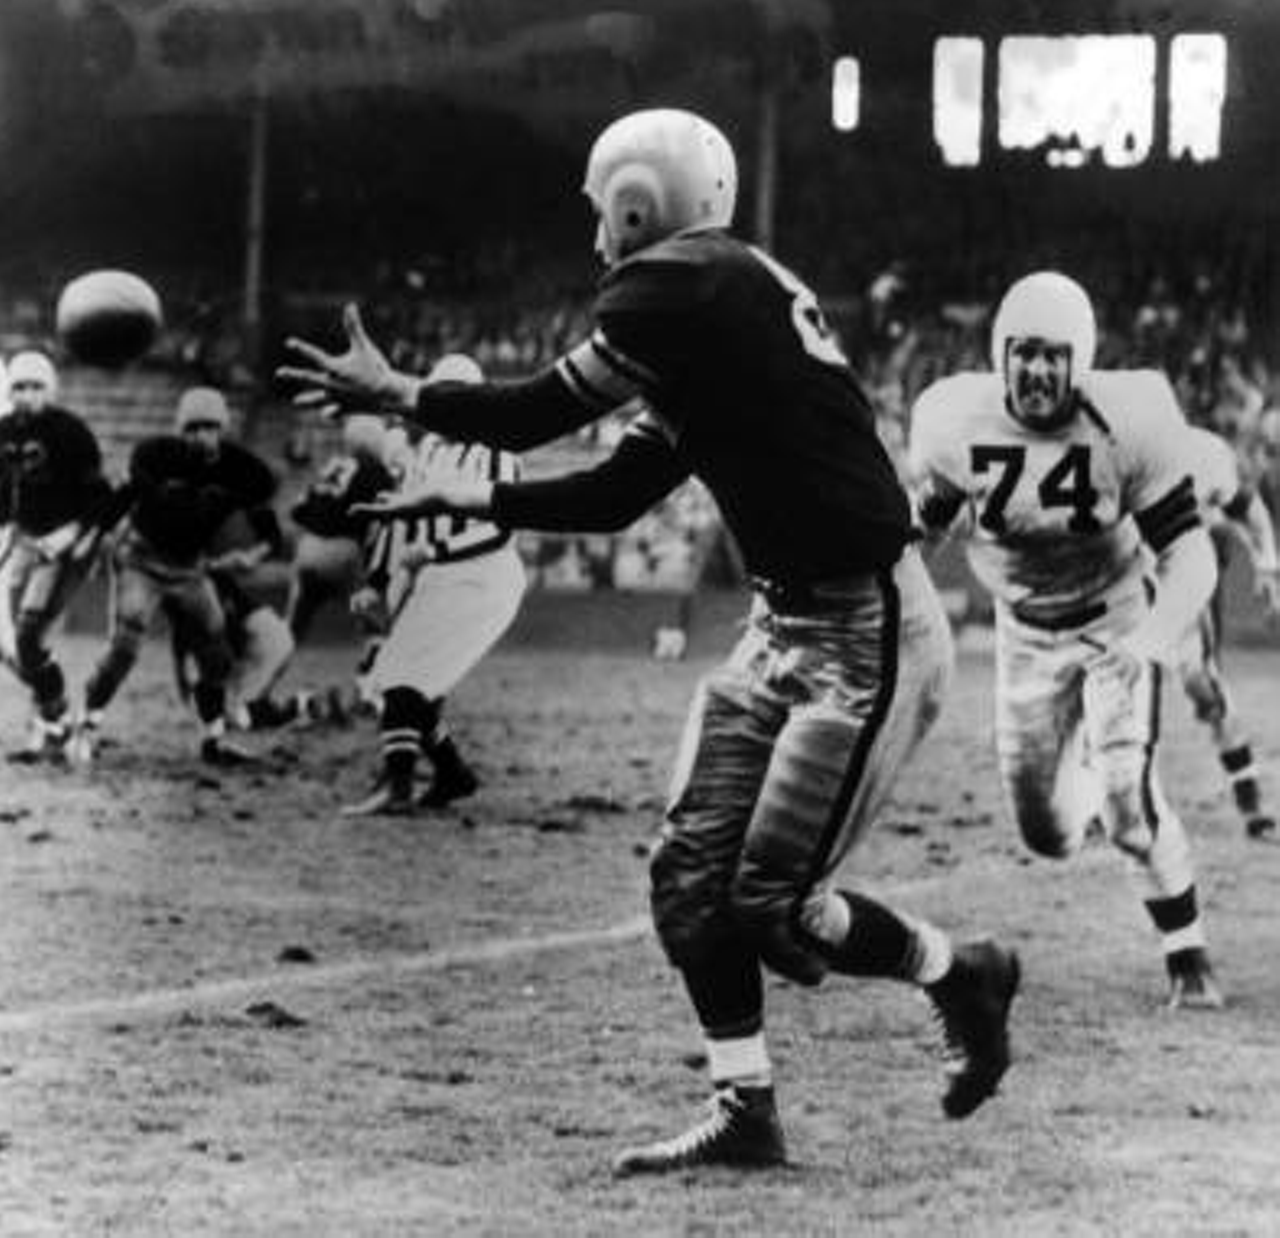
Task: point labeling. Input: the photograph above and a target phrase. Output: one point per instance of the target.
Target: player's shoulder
(677, 273)
(1133, 403)
(956, 405)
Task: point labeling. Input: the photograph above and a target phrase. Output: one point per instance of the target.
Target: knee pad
(1208, 700)
(690, 905)
(1038, 819)
(771, 922)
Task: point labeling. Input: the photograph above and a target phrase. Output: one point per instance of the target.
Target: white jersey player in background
(449, 587)
(1066, 472)
(1229, 506)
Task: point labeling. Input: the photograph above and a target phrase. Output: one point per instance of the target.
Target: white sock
(742, 1060)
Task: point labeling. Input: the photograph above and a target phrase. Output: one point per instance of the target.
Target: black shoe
(1191, 982)
(971, 1002)
(741, 1129)
(450, 785)
(215, 750)
(384, 802)
(268, 714)
(1262, 829)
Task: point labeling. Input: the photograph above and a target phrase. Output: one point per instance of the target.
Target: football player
(1066, 472)
(1230, 508)
(183, 488)
(794, 742)
(449, 589)
(57, 503)
(329, 558)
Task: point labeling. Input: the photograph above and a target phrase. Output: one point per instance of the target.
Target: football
(108, 318)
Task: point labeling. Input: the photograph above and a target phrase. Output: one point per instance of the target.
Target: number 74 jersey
(1056, 517)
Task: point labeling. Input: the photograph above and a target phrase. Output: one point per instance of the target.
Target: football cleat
(1191, 982)
(384, 802)
(450, 785)
(971, 1004)
(741, 1129)
(219, 751)
(1262, 829)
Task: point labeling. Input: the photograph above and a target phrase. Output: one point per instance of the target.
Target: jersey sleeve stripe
(583, 387)
(1169, 517)
(629, 367)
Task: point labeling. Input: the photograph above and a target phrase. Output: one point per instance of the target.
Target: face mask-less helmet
(1043, 341)
(657, 172)
(33, 380)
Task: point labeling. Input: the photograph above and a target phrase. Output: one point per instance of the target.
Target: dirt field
(226, 1010)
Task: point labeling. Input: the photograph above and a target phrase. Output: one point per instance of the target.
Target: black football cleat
(221, 752)
(383, 802)
(1262, 829)
(971, 1004)
(741, 1129)
(453, 784)
(1191, 982)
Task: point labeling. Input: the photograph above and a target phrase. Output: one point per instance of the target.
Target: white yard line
(298, 978)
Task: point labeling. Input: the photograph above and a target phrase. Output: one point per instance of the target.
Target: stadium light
(1197, 90)
(846, 93)
(957, 100)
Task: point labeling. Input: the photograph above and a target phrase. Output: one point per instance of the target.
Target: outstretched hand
(361, 379)
(461, 494)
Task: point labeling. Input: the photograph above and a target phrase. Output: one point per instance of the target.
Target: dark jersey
(325, 507)
(182, 498)
(731, 352)
(50, 470)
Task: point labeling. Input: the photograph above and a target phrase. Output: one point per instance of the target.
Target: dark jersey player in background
(54, 502)
(184, 487)
(791, 746)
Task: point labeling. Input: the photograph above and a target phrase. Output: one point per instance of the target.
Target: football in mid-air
(108, 318)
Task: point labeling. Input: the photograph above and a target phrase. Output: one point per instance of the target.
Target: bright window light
(957, 100)
(1078, 96)
(846, 93)
(1197, 89)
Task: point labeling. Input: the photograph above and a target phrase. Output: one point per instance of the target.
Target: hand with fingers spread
(459, 493)
(361, 379)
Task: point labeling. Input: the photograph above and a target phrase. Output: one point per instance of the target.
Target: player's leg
(1200, 668)
(266, 649)
(1122, 717)
(453, 778)
(134, 597)
(723, 757)
(1049, 783)
(194, 604)
(400, 744)
(867, 688)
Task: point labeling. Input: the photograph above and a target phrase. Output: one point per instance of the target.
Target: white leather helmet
(363, 434)
(657, 172)
(456, 367)
(31, 368)
(1049, 306)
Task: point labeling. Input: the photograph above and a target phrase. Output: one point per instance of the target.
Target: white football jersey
(1050, 510)
(445, 538)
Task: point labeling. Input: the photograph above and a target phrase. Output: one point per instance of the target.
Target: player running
(183, 488)
(1231, 508)
(1066, 472)
(448, 589)
(793, 744)
(54, 506)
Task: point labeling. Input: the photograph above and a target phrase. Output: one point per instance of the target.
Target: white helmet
(657, 172)
(1047, 306)
(456, 367)
(363, 434)
(32, 370)
(202, 406)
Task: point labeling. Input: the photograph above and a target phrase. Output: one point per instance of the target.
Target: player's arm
(1248, 514)
(510, 415)
(642, 469)
(933, 467)
(1161, 494)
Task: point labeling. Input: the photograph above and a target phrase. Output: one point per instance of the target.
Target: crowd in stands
(905, 325)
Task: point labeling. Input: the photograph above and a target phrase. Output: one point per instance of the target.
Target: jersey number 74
(1066, 484)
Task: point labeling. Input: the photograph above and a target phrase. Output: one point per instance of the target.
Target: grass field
(226, 1010)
